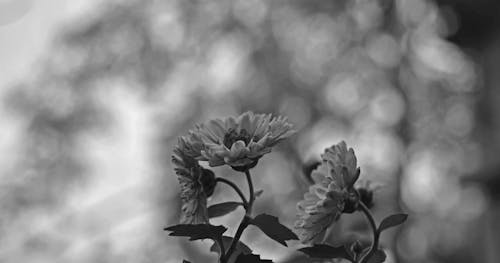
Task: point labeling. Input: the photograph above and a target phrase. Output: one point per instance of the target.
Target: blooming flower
(238, 141)
(331, 194)
(196, 184)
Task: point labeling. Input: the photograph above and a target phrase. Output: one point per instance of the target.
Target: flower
(331, 194)
(237, 141)
(196, 184)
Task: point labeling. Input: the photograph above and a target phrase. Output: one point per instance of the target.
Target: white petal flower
(330, 195)
(196, 184)
(238, 141)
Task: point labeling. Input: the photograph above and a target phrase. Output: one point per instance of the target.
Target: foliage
(333, 193)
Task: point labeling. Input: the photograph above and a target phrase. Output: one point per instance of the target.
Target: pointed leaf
(195, 232)
(240, 247)
(273, 229)
(391, 221)
(222, 209)
(251, 258)
(377, 257)
(326, 252)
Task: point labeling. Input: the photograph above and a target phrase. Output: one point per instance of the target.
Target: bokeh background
(94, 96)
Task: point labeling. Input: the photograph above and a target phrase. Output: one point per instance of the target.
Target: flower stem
(235, 187)
(376, 233)
(222, 249)
(245, 221)
(251, 191)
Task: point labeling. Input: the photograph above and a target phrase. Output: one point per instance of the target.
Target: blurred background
(94, 95)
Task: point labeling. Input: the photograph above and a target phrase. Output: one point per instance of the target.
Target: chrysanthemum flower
(238, 141)
(196, 184)
(331, 194)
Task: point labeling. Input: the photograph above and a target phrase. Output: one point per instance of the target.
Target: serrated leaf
(377, 257)
(241, 247)
(326, 252)
(391, 221)
(222, 209)
(251, 258)
(198, 231)
(271, 226)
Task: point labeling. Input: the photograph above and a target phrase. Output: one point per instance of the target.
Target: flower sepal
(207, 181)
(351, 202)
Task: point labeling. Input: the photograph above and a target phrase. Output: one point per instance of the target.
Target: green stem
(245, 221)
(235, 187)
(376, 233)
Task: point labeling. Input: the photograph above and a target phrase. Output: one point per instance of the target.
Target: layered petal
(342, 164)
(330, 195)
(237, 141)
(196, 184)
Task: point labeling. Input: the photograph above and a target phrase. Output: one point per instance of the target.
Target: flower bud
(366, 195)
(207, 180)
(351, 202)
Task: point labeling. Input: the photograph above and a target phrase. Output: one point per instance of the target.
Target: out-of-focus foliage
(91, 179)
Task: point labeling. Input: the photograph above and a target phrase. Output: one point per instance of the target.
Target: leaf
(240, 247)
(391, 221)
(377, 257)
(273, 229)
(222, 209)
(326, 252)
(251, 258)
(195, 232)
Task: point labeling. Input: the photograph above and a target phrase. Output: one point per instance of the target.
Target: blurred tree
(379, 74)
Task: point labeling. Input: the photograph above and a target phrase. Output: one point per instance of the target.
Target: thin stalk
(251, 192)
(235, 187)
(246, 219)
(222, 249)
(376, 233)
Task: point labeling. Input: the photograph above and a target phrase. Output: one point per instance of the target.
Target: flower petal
(238, 149)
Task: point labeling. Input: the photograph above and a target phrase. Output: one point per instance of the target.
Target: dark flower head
(237, 141)
(331, 194)
(366, 190)
(196, 184)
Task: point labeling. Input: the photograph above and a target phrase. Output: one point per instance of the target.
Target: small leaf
(222, 209)
(273, 229)
(195, 232)
(240, 247)
(326, 252)
(391, 221)
(251, 258)
(258, 193)
(377, 257)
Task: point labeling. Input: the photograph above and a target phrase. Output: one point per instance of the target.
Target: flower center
(232, 136)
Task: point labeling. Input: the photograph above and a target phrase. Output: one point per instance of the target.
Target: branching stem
(245, 221)
(235, 187)
(376, 233)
